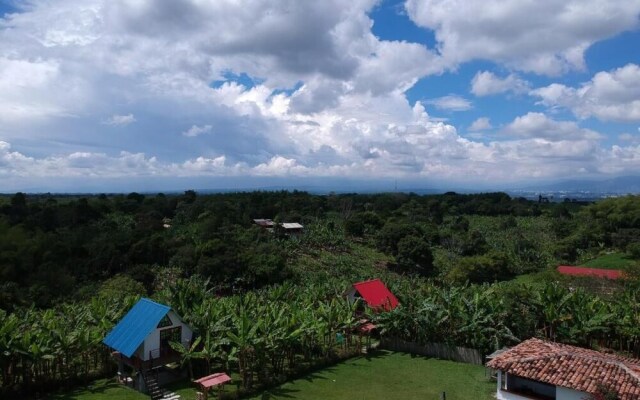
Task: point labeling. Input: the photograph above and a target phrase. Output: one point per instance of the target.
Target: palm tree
(188, 353)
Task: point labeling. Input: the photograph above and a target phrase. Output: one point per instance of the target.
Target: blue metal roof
(139, 322)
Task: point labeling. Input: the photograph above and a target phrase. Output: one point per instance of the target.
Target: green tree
(414, 256)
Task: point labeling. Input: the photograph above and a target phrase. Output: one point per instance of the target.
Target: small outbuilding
(374, 293)
(141, 340)
(211, 381)
(263, 222)
(292, 228)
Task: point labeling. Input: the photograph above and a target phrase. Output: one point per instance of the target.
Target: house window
(503, 381)
(165, 321)
(167, 336)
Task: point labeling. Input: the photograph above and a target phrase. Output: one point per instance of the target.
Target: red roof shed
(590, 272)
(376, 294)
(219, 378)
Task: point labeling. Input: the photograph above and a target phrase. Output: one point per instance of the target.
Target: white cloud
(451, 103)
(544, 36)
(32, 89)
(629, 138)
(120, 120)
(325, 98)
(609, 96)
(196, 130)
(538, 125)
(480, 124)
(485, 83)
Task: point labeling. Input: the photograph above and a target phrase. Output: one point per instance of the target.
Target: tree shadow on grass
(83, 391)
(375, 354)
(317, 375)
(278, 393)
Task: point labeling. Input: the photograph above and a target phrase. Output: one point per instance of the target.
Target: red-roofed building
(537, 369)
(377, 296)
(590, 272)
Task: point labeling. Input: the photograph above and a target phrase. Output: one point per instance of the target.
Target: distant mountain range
(572, 188)
(618, 185)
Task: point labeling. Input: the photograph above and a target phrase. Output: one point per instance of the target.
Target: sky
(142, 95)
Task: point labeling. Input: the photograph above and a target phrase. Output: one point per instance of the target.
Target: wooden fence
(437, 350)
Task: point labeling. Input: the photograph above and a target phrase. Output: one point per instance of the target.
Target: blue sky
(151, 95)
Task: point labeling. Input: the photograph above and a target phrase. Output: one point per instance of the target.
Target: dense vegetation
(266, 305)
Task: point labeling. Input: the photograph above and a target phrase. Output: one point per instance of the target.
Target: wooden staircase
(154, 390)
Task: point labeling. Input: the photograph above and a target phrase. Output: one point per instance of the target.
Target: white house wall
(152, 341)
(562, 393)
(187, 333)
(570, 394)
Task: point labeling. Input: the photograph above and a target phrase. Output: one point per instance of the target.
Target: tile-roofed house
(546, 370)
(374, 293)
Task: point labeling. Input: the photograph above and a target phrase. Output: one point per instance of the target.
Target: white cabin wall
(187, 333)
(151, 342)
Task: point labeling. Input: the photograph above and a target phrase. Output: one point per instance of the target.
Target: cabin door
(167, 336)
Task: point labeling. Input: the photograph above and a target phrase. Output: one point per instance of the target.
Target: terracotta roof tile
(572, 367)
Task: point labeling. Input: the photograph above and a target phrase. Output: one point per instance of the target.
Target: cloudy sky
(108, 95)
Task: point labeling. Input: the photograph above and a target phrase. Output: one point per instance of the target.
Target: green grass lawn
(104, 389)
(381, 375)
(610, 261)
(386, 375)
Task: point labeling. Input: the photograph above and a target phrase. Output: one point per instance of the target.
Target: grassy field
(101, 390)
(610, 261)
(381, 375)
(537, 278)
(386, 375)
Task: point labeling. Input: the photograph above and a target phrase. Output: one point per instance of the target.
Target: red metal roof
(213, 380)
(572, 367)
(592, 272)
(376, 294)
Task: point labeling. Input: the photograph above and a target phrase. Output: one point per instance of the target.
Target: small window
(164, 322)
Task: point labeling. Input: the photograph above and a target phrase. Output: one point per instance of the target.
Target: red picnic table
(213, 380)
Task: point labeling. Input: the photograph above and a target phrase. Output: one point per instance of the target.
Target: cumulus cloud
(451, 103)
(538, 125)
(120, 120)
(480, 124)
(324, 97)
(32, 88)
(196, 130)
(609, 96)
(545, 37)
(485, 83)
(629, 138)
